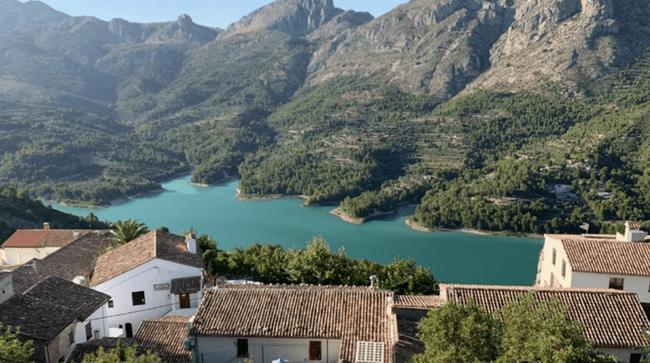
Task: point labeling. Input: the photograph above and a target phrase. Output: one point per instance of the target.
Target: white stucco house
(619, 261)
(27, 244)
(154, 275)
(295, 322)
(613, 320)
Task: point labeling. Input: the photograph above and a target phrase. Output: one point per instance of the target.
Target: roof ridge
(537, 288)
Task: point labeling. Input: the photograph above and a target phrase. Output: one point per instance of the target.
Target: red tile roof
(165, 336)
(39, 238)
(419, 302)
(610, 318)
(155, 244)
(298, 311)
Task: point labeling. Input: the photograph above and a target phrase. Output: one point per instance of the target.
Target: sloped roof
(70, 261)
(297, 311)
(607, 256)
(610, 318)
(92, 346)
(155, 244)
(419, 301)
(166, 336)
(186, 285)
(43, 311)
(40, 238)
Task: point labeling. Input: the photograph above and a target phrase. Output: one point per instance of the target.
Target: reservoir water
(452, 257)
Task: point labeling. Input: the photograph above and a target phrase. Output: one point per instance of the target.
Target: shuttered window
(315, 350)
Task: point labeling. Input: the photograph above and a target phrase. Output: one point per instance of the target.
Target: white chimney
(190, 240)
(46, 225)
(632, 233)
(373, 282)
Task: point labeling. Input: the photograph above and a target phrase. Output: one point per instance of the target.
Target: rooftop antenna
(585, 226)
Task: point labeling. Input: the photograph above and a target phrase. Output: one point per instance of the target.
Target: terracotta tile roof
(92, 346)
(419, 302)
(299, 311)
(155, 244)
(75, 259)
(606, 255)
(39, 238)
(45, 310)
(166, 336)
(186, 285)
(610, 318)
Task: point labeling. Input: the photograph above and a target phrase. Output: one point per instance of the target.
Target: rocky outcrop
(183, 30)
(295, 17)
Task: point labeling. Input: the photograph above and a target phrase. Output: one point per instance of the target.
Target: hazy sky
(213, 13)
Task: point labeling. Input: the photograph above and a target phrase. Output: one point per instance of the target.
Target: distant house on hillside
(50, 299)
(147, 278)
(619, 261)
(27, 244)
(613, 320)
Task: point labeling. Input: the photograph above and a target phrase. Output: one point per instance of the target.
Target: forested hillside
(487, 114)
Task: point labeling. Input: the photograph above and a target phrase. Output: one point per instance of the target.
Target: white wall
(622, 353)
(141, 278)
(223, 349)
(636, 284)
(547, 266)
(18, 256)
(6, 288)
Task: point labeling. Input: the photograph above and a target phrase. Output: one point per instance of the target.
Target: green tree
(524, 330)
(121, 354)
(13, 350)
(127, 231)
(456, 333)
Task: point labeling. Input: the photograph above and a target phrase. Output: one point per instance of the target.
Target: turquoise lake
(452, 257)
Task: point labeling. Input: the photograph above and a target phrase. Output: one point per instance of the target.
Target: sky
(213, 13)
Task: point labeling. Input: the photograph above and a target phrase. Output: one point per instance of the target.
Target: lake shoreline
(358, 220)
(417, 227)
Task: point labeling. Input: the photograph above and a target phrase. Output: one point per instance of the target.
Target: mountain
(434, 101)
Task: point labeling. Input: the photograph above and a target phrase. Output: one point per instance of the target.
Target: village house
(27, 244)
(166, 336)
(156, 274)
(619, 261)
(294, 322)
(613, 320)
(50, 300)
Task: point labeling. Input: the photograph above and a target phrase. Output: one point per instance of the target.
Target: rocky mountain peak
(296, 17)
(183, 29)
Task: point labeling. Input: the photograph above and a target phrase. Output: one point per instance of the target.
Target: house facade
(619, 262)
(297, 323)
(149, 277)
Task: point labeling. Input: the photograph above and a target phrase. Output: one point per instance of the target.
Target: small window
(616, 283)
(242, 348)
(71, 337)
(110, 303)
(138, 297)
(635, 357)
(89, 331)
(563, 268)
(315, 350)
(554, 254)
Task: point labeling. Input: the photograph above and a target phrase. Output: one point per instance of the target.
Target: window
(242, 348)
(89, 331)
(71, 337)
(635, 357)
(110, 303)
(616, 283)
(554, 254)
(138, 297)
(315, 350)
(563, 268)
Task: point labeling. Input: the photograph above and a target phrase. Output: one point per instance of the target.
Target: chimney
(190, 240)
(632, 233)
(46, 225)
(373, 282)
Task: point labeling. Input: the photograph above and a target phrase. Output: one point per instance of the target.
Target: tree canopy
(13, 350)
(524, 330)
(121, 354)
(127, 231)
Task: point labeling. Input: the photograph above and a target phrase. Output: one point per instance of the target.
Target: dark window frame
(138, 298)
(110, 303)
(563, 268)
(554, 255)
(242, 348)
(89, 331)
(616, 283)
(315, 350)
